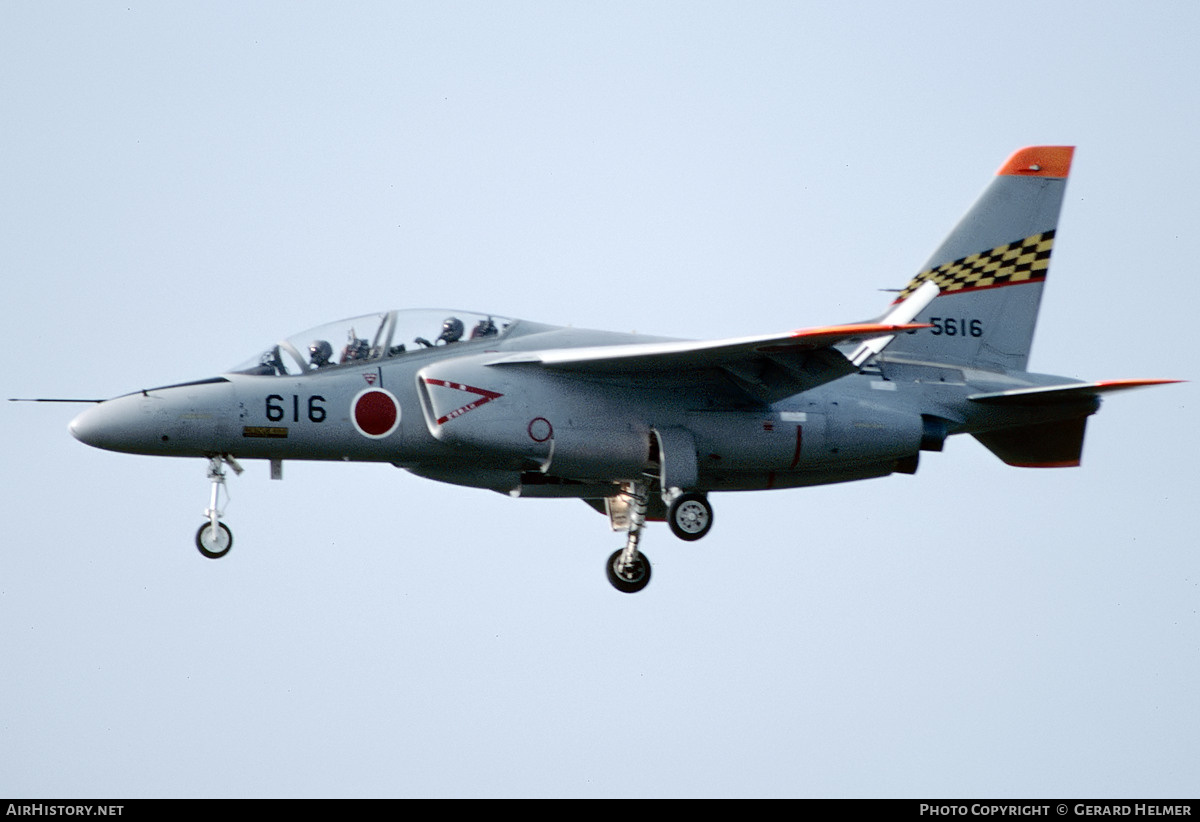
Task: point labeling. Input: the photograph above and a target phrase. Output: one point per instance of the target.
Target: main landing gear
(214, 539)
(690, 516)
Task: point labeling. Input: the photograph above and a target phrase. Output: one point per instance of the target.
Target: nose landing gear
(628, 578)
(214, 539)
(629, 570)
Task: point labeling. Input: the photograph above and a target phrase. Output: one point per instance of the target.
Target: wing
(768, 367)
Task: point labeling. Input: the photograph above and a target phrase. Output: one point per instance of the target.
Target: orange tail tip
(1111, 385)
(1039, 161)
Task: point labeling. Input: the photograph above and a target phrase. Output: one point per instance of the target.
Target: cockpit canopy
(373, 337)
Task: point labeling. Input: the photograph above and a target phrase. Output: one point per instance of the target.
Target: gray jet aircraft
(643, 428)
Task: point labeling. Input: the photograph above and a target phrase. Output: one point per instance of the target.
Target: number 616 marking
(276, 411)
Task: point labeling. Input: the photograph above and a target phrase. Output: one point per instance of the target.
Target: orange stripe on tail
(1040, 161)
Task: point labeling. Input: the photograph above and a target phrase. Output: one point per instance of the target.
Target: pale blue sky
(186, 182)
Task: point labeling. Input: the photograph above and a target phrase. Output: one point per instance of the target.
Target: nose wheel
(628, 569)
(214, 539)
(631, 577)
(214, 543)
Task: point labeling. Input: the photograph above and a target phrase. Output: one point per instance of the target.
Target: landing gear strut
(214, 539)
(689, 514)
(629, 570)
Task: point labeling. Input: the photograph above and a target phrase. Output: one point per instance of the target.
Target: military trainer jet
(643, 428)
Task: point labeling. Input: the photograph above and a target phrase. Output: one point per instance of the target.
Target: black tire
(632, 579)
(214, 549)
(690, 516)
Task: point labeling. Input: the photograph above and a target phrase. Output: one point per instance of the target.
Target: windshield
(373, 337)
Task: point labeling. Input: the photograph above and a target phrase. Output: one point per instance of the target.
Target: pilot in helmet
(484, 328)
(356, 348)
(452, 330)
(319, 353)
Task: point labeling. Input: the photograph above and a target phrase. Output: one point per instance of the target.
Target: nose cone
(183, 420)
(80, 428)
(115, 425)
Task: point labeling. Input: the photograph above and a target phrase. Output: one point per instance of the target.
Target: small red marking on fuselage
(485, 396)
(540, 429)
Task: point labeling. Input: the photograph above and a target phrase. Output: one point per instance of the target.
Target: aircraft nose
(185, 419)
(80, 429)
(107, 425)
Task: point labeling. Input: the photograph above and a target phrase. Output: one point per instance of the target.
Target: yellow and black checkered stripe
(1021, 261)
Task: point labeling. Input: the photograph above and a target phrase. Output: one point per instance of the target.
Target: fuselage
(448, 412)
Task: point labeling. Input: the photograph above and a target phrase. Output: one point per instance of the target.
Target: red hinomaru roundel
(375, 412)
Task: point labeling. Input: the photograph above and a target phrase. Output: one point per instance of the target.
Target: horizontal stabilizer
(1071, 392)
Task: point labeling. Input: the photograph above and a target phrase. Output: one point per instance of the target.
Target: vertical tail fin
(992, 268)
